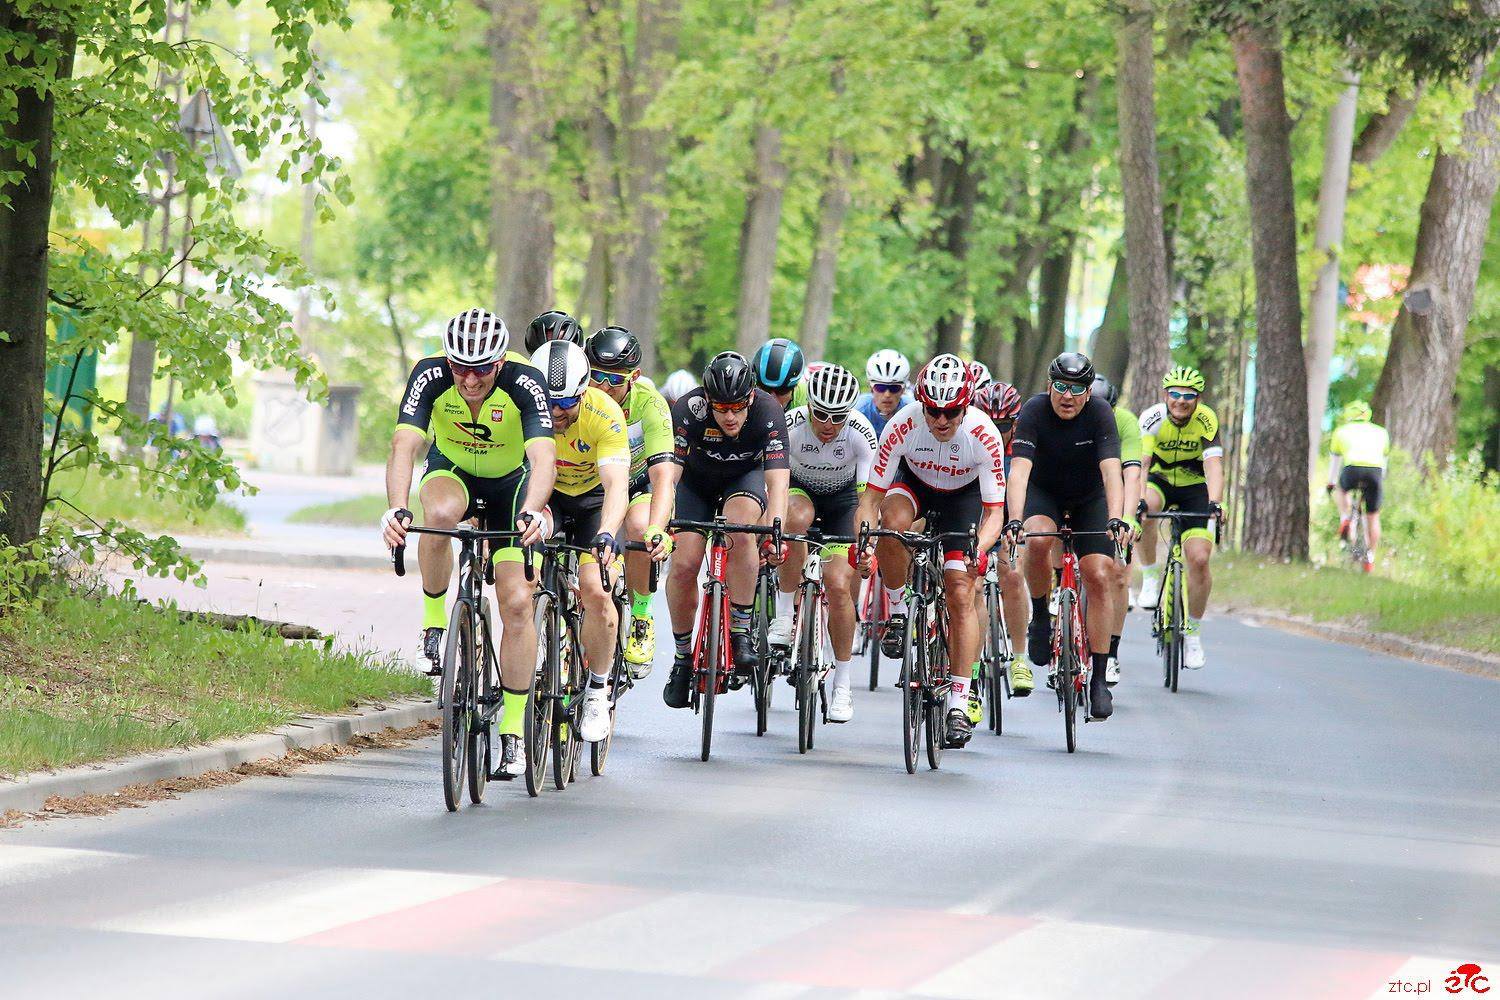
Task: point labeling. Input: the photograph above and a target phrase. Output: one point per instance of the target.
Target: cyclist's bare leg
(682, 580)
(896, 514)
(518, 630)
(1341, 500)
(744, 550)
(1372, 531)
(600, 623)
(799, 517)
(1037, 563)
(1099, 583)
(1013, 597)
(1120, 587)
(637, 564)
(839, 584)
(443, 505)
(963, 622)
(1195, 552)
(1145, 550)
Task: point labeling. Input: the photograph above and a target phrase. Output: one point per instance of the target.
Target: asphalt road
(1301, 819)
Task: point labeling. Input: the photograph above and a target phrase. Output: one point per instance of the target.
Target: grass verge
(357, 511)
(1455, 615)
(85, 680)
(102, 498)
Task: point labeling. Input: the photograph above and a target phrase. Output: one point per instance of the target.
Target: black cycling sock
(1101, 663)
(1039, 609)
(739, 617)
(440, 593)
(684, 641)
(1114, 645)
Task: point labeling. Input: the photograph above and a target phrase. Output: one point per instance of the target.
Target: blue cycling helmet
(778, 365)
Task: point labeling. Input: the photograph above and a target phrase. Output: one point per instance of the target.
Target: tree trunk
(1149, 295)
(1323, 303)
(1415, 395)
(822, 278)
(403, 357)
(25, 215)
(601, 173)
(1382, 130)
(964, 189)
(758, 237)
(658, 23)
(521, 230)
(1053, 282)
(1110, 349)
(1276, 504)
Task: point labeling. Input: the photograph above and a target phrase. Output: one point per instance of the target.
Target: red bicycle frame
(718, 564)
(1069, 581)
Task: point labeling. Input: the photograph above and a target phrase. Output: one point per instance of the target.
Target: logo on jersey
(479, 432)
(582, 447)
(497, 414)
(697, 406)
(414, 397)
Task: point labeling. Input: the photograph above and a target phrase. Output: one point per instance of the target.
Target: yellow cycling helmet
(1356, 412)
(1183, 377)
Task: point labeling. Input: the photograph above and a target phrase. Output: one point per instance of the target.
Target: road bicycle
(712, 658)
(1169, 620)
(469, 695)
(811, 658)
(772, 661)
(620, 679)
(996, 653)
(874, 612)
(924, 679)
(1071, 662)
(1359, 540)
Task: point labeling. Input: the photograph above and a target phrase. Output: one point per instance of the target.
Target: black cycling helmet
(613, 347)
(552, 325)
(778, 365)
(1073, 367)
(1104, 387)
(728, 379)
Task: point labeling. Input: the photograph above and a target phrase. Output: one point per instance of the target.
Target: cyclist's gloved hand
(772, 553)
(1216, 510)
(1013, 531)
(1140, 509)
(1119, 529)
(659, 541)
(1328, 489)
(393, 526)
(606, 542)
(982, 562)
(533, 526)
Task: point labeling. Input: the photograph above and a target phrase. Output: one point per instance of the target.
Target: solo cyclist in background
(1357, 455)
(1130, 467)
(888, 372)
(1002, 403)
(1180, 440)
(778, 365)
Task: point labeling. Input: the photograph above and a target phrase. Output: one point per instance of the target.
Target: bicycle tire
(565, 743)
(454, 690)
(543, 696)
(713, 652)
(934, 703)
(482, 726)
(911, 688)
(994, 661)
(806, 666)
(1179, 622)
(1066, 668)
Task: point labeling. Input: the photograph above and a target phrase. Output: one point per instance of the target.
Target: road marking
(23, 863)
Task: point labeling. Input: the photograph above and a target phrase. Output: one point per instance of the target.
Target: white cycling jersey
(974, 453)
(826, 467)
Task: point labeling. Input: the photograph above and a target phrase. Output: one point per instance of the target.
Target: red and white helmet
(979, 374)
(999, 399)
(943, 383)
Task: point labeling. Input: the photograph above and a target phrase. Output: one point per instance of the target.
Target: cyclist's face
(887, 397)
(473, 388)
(563, 419)
(731, 422)
(826, 430)
(615, 392)
(943, 423)
(1065, 404)
(1179, 407)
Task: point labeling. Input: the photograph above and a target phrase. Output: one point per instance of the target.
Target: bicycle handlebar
(1187, 515)
(398, 554)
(918, 539)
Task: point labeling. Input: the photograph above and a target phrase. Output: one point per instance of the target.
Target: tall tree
(1415, 394)
(1148, 294)
(833, 206)
(1276, 505)
(761, 228)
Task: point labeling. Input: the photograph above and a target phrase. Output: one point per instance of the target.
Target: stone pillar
(290, 434)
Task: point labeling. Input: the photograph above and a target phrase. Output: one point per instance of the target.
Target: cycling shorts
(1084, 515)
(1190, 498)
(833, 514)
(941, 510)
(701, 501)
(1368, 480)
(640, 487)
(494, 502)
(578, 517)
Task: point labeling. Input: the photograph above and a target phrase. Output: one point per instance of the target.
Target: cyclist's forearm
(989, 527)
(616, 480)
(778, 481)
(1334, 464)
(1133, 478)
(663, 477)
(1015, 488)
(1213, 471)
(398, 468)
(541, 456)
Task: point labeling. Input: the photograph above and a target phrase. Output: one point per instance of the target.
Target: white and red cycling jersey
(975, 453)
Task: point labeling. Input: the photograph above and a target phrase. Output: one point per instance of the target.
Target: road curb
(31, 792)
(267, 557)
(1380, 642)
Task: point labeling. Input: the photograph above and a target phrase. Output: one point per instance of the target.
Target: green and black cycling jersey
(493, 444)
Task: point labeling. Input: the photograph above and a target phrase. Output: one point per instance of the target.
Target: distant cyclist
(729, 457)
(1185, 471)
(485, 413)
(677, 385)
(1357, 457)
(778, 365)
(887, 373)
(979, 375)
(552, 325)
(1002, 403)
(1130, 467)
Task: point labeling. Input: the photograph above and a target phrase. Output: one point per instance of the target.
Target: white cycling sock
(841, 671)
(784, 604)
(958, 693)
(897, 597)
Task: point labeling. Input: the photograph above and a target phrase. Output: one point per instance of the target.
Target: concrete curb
(1380, 642)
(31, 792)
(269, 557)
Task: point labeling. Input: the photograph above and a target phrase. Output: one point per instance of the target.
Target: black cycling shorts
(1188, 499)
(495, 502)
(577, 517)
(1368, 480)
(1087, 515)
(701, 501)
(833, 513)
(942, 510)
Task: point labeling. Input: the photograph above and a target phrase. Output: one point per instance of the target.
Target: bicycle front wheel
(565, 743)
(1067, 668)
(1179, 622)
(713, 652)
(912, 678)
(808, 640)
(487, 695)
(543, 700)
(455, 701)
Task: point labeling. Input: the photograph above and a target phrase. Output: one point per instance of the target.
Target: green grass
(85, 680)
(1452, 615)
(359, 511)
(103, 498)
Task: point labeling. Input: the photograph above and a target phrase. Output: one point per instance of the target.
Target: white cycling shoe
(593, 720)
(840, 705)
(1112, 672)
(780, 632)
(1192, 651)
(1150, 595)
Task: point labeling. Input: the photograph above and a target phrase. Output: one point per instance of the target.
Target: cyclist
(1065, 462)
(887, 372)
(940, 460)
(1356, 460)
(729, 455)
(1001, 402)
(588, 506)
(1129, 429)
(485, 412)
(831, 448)
(677, 385)
(979, 375)
(614, 355)
(1185, 471)
(778, 365)
(552, 325)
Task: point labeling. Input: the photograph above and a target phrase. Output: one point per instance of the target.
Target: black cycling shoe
(676, 693)
(745, 657)
(893, 642)
(512, 758)
(1101, 702)
(959, 729)
(1039, 642)
(432, 650)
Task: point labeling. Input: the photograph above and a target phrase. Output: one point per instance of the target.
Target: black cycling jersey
(1065, 454)
(711, 456)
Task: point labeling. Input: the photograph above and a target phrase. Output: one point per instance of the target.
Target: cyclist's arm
(1133, 492)
(990, 524)
(1015, 487)
(541, 456)
(1335, 459)
(663, 477)
(406, 444)
(615, 477)
(778, 481)
(1213, 471)
(1114, 486)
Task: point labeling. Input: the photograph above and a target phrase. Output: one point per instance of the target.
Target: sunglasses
(479, 370)
(936, 413)
(1184, 396)
(887, 387)
(1004, 426)
(566, 402)
(731, 407)
(614, 379)
(827, 416)
(1069, 388)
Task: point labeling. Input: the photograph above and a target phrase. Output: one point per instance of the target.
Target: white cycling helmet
(944, 383)
(475, 337)
(678, 384)
(564, 368)
(888, 366)
(979, 374)
(832, 389)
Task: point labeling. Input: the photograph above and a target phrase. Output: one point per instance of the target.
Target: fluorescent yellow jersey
(492, 443)
(1175, 454)
(596, 438)
(1362, 444)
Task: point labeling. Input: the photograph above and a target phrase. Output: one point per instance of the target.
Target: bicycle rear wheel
(713, 652)
(993, 662)
(1067, 668)
(487, 695)
(566, 744)
(912, 678)
(543, 700)
(455, 701)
